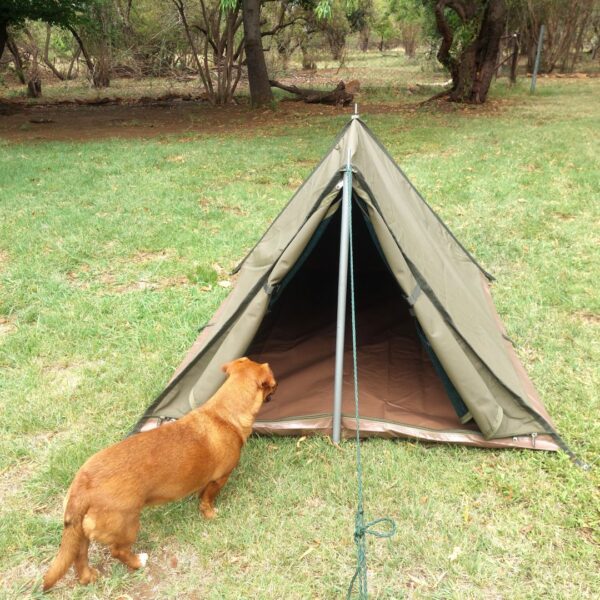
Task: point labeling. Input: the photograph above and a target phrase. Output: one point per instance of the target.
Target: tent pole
(341, 305)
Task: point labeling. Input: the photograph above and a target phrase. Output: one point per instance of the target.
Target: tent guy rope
(360, 527)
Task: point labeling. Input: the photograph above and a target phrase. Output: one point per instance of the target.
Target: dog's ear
(267, 380)
(226, 368)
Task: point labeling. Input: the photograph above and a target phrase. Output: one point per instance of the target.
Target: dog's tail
(71, 541)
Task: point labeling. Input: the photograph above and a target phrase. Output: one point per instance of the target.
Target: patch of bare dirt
(109, 281)
(25, 577)
(84, 278)
(589, 317)
(158, 284)
(7, 326)
(161, 568)
(14, 477)
(568, 75)
(11, 480)
(564, 216)
(64, 378)
(84, 122)
(143, 256)
(3, 259)
(590, 535)
(211, 204)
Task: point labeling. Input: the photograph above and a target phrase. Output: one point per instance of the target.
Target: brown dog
(197, 453)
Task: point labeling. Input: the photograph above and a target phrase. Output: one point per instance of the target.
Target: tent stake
(341, 305)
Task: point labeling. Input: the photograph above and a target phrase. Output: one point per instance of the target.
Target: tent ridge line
(489, 276)
(229, 322)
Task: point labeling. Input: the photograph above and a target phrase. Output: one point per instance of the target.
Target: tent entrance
(397, 379)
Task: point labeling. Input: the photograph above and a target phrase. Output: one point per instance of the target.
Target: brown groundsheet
(396, 378)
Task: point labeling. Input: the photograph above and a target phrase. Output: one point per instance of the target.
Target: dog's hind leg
(121, 546)
(118, 530)
(127, 557)
(85, 573)
(208, 495)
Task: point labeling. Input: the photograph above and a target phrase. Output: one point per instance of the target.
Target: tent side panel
(530, 390)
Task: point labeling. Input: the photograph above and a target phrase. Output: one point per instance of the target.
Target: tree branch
(47, 60)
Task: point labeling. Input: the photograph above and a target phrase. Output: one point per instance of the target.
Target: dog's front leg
(208, 495)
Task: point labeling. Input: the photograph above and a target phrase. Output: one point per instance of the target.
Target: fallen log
(337, 96)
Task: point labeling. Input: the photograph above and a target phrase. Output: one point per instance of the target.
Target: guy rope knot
(361, 530)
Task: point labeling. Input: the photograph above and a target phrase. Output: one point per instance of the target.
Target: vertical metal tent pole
(341, 305)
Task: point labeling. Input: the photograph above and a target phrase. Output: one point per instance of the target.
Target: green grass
(110, 258)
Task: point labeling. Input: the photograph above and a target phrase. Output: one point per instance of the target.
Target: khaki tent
(434, 362)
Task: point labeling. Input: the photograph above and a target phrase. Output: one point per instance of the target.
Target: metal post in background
(514, 63)
(538, 54)
(341, 305)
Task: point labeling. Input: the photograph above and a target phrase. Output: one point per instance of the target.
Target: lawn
(114, 252)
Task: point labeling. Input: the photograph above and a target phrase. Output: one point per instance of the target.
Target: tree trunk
(337, 43)
(473, 69)
(363, 39)
(488, 48)
(34, 81)
(88, 59)
(47, 60)
(101, 75)
(258, 77)
(74, 59)
(3, 36)
(308, 62)
(14, 50)
(514, 62)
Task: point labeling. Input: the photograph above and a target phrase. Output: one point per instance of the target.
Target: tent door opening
(399, 383)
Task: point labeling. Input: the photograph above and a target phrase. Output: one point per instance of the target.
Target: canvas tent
(434, 361)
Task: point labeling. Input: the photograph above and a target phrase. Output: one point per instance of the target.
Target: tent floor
(397, 381)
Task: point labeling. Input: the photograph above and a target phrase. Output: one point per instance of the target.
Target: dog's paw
(209, 513)
(88, 576)
(143, 557)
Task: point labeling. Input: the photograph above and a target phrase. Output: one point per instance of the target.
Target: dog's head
(260, 373)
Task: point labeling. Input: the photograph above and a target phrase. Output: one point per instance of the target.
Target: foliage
(55, 12)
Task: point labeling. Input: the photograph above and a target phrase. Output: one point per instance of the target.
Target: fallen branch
(337, 96)
(444, 94)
